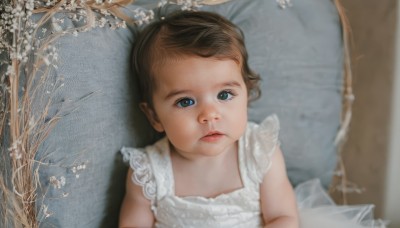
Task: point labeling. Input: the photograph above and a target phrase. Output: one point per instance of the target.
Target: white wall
(392, 192)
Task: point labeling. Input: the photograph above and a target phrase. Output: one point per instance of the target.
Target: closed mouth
(212, 136)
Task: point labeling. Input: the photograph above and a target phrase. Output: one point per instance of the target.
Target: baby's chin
(207, 149)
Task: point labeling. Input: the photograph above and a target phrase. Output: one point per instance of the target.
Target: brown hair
(189, 33)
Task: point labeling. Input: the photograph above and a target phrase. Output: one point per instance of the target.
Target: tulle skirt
(317, 210)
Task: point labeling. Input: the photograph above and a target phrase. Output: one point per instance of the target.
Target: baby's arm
(278, 202)
(136, 209)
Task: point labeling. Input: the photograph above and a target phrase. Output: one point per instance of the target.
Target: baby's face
(201, 104)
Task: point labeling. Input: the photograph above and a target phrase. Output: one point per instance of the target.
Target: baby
(213, 168)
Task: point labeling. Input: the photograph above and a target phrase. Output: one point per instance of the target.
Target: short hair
(189, 33)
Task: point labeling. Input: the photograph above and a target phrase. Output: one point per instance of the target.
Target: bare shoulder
(278, 202)
(136, 208)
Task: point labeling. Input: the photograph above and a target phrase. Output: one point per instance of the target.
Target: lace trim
(267, 135)
(162, 168)
(143, 174)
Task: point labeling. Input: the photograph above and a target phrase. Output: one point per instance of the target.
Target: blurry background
(372, 151)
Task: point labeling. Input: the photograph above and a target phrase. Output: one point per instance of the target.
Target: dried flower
(143, 16)
(284, 3)
(45, 209)
(77, 169)
(189, 4)
(57, 183)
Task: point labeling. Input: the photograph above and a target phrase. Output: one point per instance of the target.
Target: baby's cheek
(180, 129)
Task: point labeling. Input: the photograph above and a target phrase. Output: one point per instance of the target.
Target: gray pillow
(297, 51)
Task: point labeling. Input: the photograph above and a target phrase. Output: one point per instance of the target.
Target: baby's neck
(206, 176)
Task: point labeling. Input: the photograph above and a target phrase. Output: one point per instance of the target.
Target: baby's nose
(209, 114)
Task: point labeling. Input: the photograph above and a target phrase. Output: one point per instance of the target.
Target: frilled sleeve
(261, 141)
(142, 170)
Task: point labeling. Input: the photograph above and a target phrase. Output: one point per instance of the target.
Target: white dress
(239, 208)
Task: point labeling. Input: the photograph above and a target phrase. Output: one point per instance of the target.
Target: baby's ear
(151, 116)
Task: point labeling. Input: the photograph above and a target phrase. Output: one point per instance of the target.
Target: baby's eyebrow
(232, 84)
(175, 92)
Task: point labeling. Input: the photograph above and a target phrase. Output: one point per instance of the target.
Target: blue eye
(185, 102)
(225, 95)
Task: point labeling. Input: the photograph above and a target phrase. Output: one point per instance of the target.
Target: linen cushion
(297, 51)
